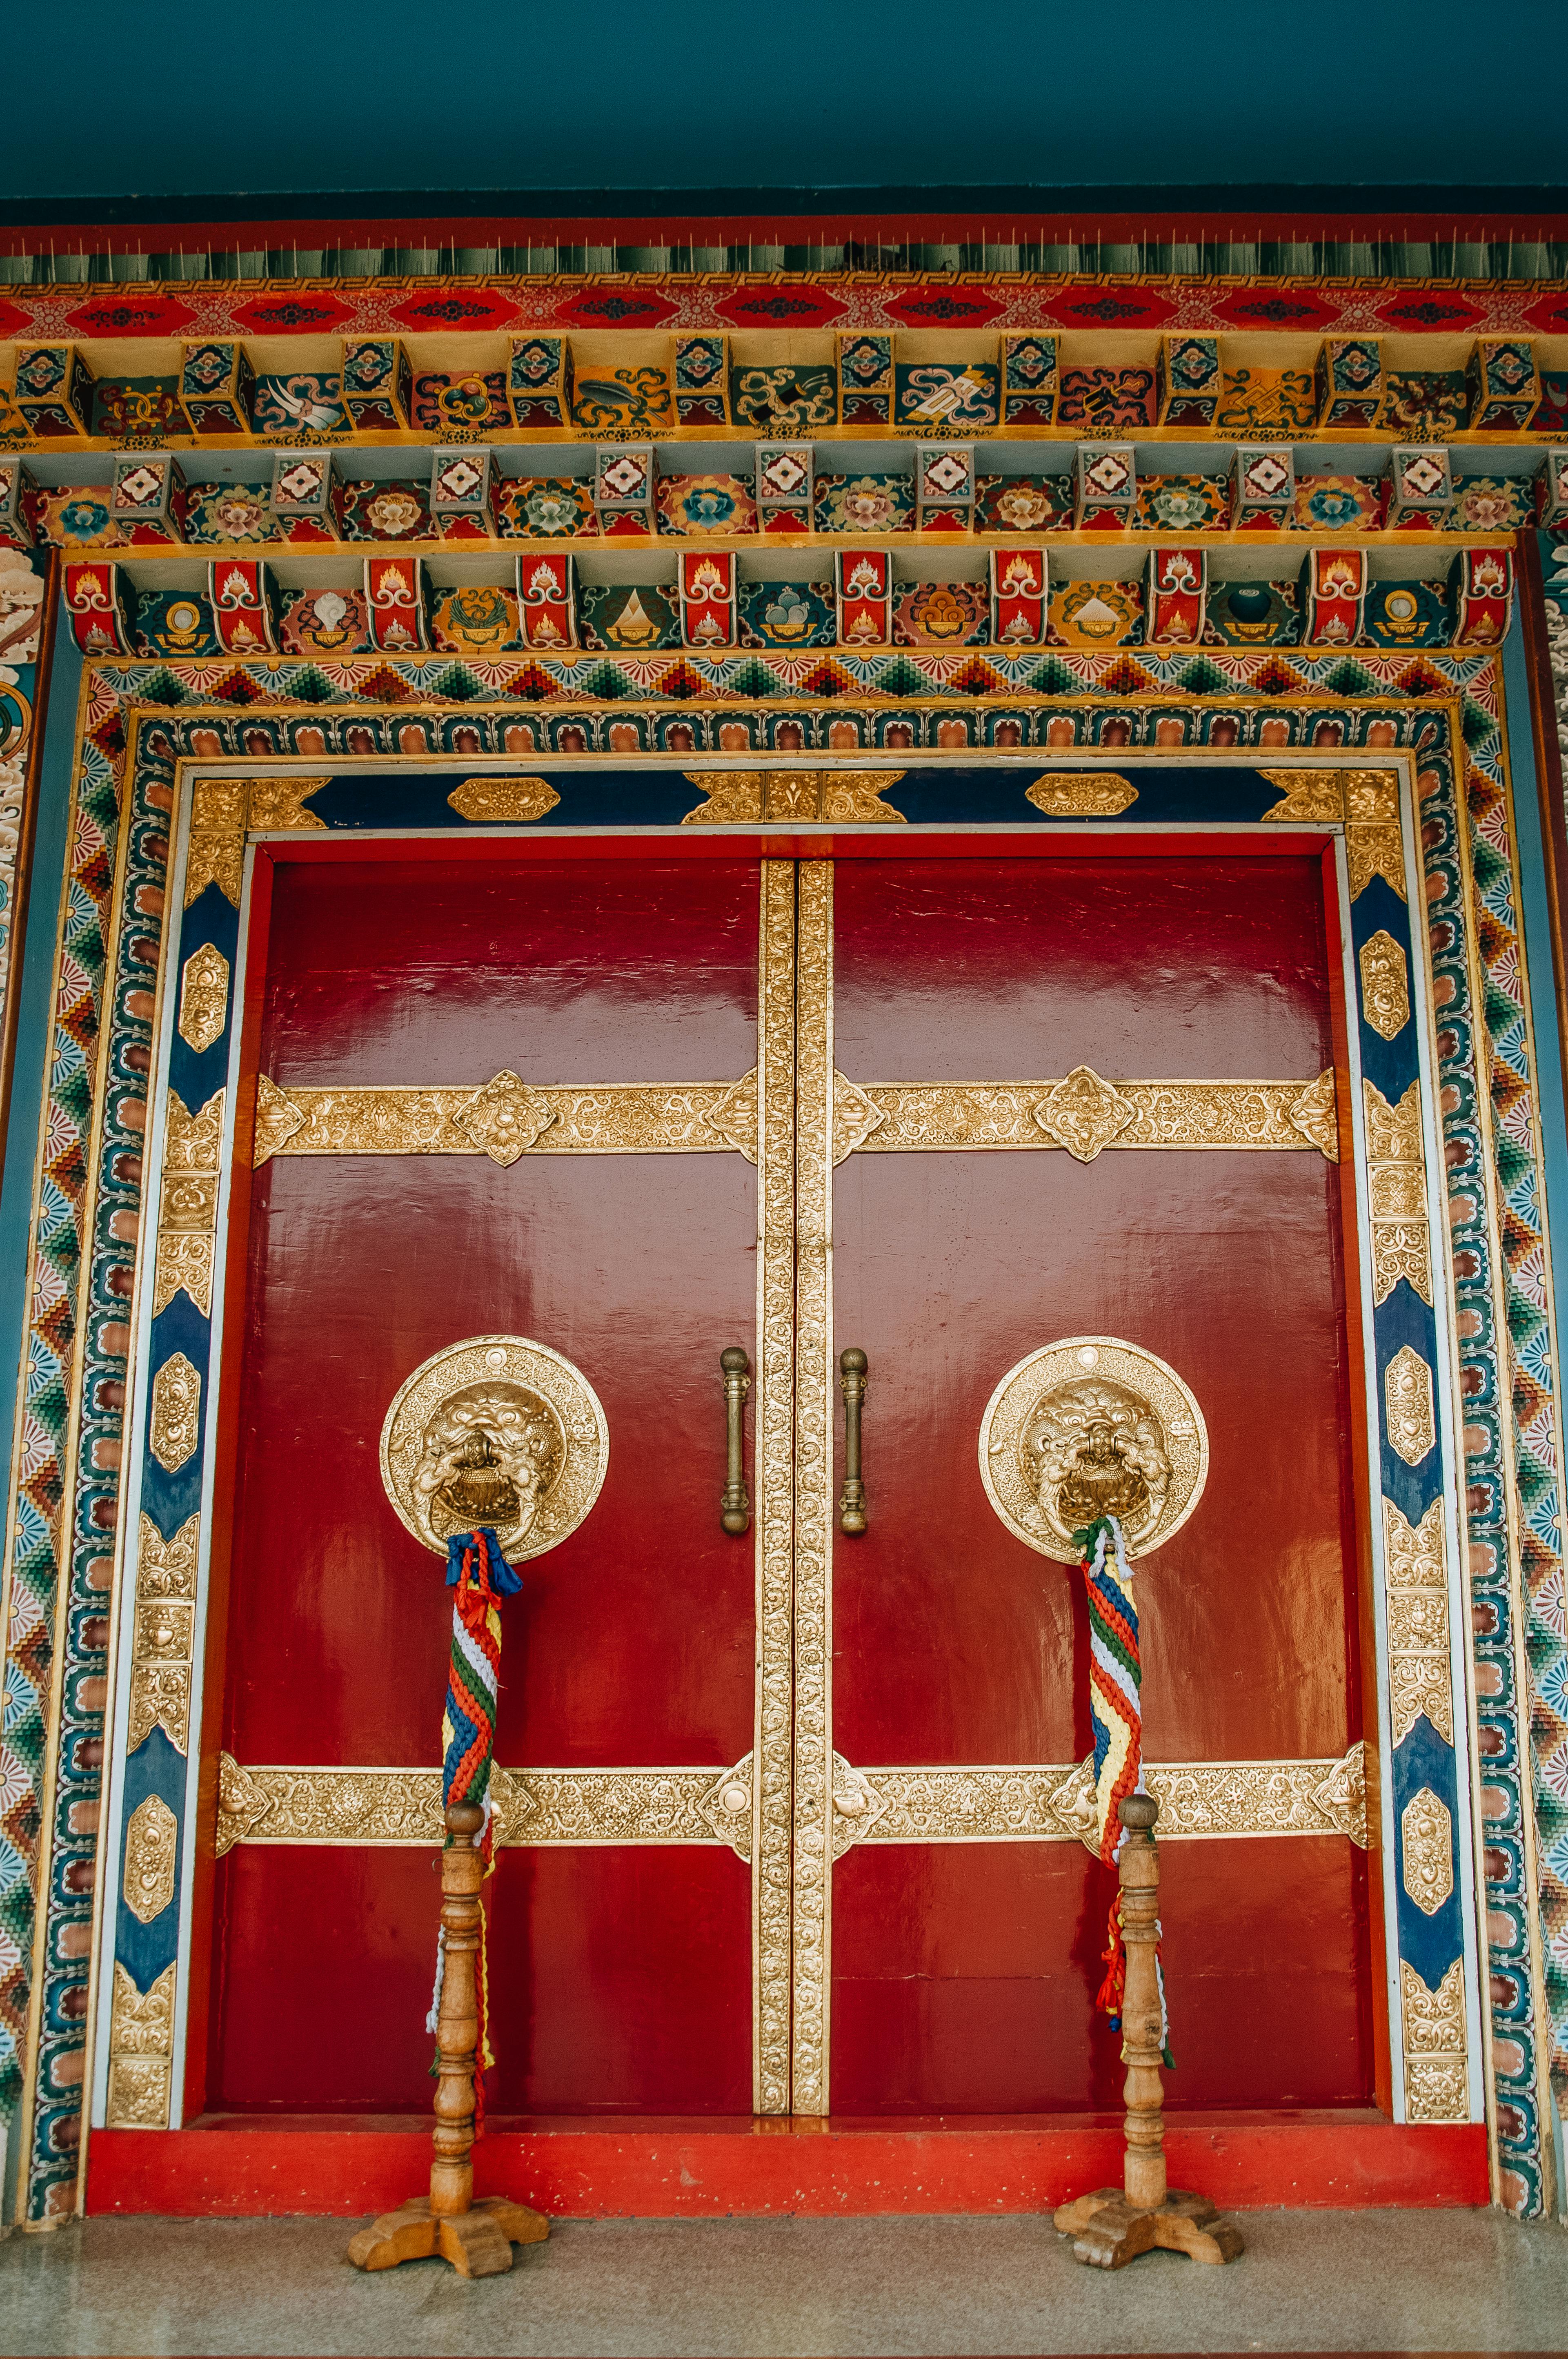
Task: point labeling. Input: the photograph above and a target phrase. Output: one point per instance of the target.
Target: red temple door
(787, 1819)
(946, 1967)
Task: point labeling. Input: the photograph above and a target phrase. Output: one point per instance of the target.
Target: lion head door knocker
(1091, 1428)
(497, 1433)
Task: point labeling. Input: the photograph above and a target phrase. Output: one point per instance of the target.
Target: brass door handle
(852, 1384)
(736, 1505)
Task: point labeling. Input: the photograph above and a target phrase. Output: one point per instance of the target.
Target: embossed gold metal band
(508, 1118)
(769, 1827)
(1027, 1803)
(814, 1397)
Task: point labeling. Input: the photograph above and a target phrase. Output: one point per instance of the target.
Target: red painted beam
(757, 2170)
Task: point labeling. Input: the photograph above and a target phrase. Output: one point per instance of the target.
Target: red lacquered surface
(620, 1980)
(632, 1642)
(708, 2170)
(955, 1642)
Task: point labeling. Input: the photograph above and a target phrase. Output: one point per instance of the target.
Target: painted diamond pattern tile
(1425, 477)
(459, 481)
(1265, 478)
(624, 477)
(136, 490)
(947, 473)
(1107, 475)
(302, 481)
(784, 475)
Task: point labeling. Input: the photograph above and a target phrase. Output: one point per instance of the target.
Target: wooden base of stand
(477, 2242)
(1108, 2231)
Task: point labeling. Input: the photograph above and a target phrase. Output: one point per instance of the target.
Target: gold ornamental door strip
(769, 1804)
(1038, 1802)
(814, 1758)
(508, 1118)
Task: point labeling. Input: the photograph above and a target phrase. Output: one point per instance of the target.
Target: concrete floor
(829, 2288)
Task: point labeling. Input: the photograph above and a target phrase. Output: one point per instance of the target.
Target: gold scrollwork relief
(224, 811)
(204, 998)
(1416, 1592)
(531, 1807)
(1022, 1802)
(1086, 1115)
(141, 2050)
(1406, 1398)
(1082, 794)
(1426, 1837)
(815, 1815)
(774, 1528)
(188, 1209)
(489, 802)
(1437, 2076)
(747, 798)
(1396, 1184)
(1384, 985)
(152, 1842)
(1365, 803)
(163, 1633)
(508, 1118)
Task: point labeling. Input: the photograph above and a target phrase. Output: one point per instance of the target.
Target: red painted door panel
(632, 1642)
(964, 1975)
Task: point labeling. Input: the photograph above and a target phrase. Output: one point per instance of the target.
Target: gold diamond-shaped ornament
(504, 1118)
(1084, 1113)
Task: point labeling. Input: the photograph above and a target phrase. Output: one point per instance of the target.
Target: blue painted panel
(155, 1767)
(168, 1499)
(1430, 1943)
(211, 918)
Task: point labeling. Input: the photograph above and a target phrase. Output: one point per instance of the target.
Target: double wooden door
(787, 1818)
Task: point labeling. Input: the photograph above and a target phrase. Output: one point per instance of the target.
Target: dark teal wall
(703, 94)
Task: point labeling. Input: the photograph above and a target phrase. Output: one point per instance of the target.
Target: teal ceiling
(684, 96)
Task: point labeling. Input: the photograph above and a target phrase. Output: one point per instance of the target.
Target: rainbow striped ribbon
(1116, 1711)
(481, 1576)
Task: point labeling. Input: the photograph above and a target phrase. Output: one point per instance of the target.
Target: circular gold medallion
(500, 1430)
(1087, 1426)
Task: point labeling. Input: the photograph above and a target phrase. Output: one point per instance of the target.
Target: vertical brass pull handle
(852, 1384)
(736, 1505)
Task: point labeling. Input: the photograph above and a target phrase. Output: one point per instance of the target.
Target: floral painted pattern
(546, 507)
(1337, 503)
(865, 504)
(1024, 503)
(941, 614)
(1183, 503)
(711, 506)
(378, 511)
(224, 512)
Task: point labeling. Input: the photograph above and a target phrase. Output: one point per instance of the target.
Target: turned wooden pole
(1144, 2172)
(457, 2021)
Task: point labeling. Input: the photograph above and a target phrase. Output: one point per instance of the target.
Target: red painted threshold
(577, 2170)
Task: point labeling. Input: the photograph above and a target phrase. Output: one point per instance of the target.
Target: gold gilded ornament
(508, 1118)
(504, 1118)
(496, 1430)
(204, 998)
(1084, 1113)
(746, 797)
(176, 1413)
(1385, 985)
(1426, 1837)
(491, 802)
(1081, 794)
(1416, 1588)
(188, 1212)
(1406, 1398)
(1087, 1427)
(224, 811)
(1396, 1185)
(1436, 2074)
(141, 2045)
(152, 1837)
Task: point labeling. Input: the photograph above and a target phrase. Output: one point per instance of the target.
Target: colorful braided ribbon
(482, 1577)
(1116, 1715)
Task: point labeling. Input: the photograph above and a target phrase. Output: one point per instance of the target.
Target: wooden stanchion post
(1115, 2224)
(477, 2238)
